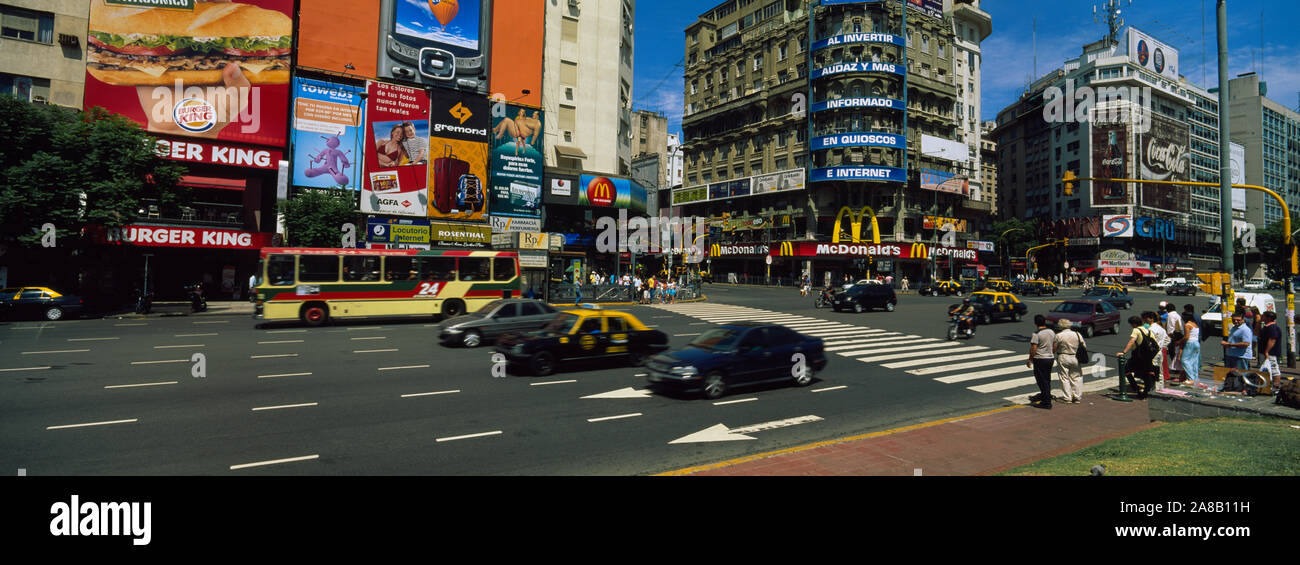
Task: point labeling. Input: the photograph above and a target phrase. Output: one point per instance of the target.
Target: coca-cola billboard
(1163, 155)
(1110, 150)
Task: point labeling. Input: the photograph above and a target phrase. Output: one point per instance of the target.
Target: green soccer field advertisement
(517, 160)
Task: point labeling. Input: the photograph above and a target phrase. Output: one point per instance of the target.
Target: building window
(25, 88)
(781, 52)
(17, 23)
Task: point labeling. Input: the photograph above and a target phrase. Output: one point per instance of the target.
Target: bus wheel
(314, 314)
(452, 308)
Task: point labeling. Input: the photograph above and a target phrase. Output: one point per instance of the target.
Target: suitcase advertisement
(458, 156)
(517, 160)
(397, 151)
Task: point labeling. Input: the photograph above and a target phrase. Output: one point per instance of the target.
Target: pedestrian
(1144, 361)
(1189, 314)
(577, 290)
(1152, 322)
(1191, 345)
(1236, 352)
(1066, 346)
(907, 284)
(1040, 360)
(1174, 327)
(889, 280)
(1257, 329)
(252, 287)
(1270, 339)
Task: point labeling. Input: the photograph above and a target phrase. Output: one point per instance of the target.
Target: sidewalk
(170, 309)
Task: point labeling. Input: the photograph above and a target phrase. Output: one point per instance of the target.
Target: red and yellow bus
(316, 285)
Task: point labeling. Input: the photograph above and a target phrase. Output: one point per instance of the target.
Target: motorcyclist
(828, 294)
(965, 313)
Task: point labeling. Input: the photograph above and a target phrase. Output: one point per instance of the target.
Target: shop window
(475, 269)
(318, 268)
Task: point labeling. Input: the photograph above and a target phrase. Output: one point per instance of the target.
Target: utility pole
(1225, 160)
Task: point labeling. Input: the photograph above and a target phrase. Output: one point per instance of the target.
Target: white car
(1256, 284)
(1164, 283)
(1213, 315)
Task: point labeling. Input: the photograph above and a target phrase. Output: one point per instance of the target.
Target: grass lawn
(1218, 447)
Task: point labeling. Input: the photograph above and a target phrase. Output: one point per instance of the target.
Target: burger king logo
(194, 115)
(600, 192)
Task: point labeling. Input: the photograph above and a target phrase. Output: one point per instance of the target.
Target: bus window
(360, 268)
(318, 268)
(398, 269)
(436, 268)
(279, 270)
(503, 269)
(475, 269)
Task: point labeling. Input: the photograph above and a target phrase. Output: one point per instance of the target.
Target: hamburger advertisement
(216, 69)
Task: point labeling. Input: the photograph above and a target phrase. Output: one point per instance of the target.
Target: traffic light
(1069, 183)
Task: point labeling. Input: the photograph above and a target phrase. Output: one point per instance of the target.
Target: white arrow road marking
(721, 432)
(628, 392)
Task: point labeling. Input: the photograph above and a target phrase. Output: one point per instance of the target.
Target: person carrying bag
(1071, 356)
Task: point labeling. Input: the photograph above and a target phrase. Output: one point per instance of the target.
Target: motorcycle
(143, 302)
(198, 302)
(825, 299)
(956, 328)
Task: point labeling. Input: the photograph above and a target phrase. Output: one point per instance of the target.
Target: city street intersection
(120, 396)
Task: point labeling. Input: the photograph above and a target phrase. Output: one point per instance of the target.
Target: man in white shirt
(1173, 323)
(1162, 338)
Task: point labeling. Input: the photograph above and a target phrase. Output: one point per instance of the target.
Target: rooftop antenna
(1035, 48)
(1203, 45)
(1110, 14)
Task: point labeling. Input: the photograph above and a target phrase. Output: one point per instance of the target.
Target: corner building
(802, 115)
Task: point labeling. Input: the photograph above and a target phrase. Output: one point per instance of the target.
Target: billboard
(1164, 155)
(517, 160)
(561, 189)
(215, 70)
(1119, 225)
(327, 122)
(610, 192)
(397, 151)
(397, 231)
(338, 36)
(447, 234)
(944, 182)
(1110, 160)
(517, 46)
(458, 155)
(435, 42)
(1152, 55)
(932, 8)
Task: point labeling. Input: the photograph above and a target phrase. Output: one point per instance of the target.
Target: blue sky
(1064, 26)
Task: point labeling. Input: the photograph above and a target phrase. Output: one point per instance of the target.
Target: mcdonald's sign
(920, 251)
(787, 249)
(715, 250)
(606, 192)
(855, 221)
(600, 192)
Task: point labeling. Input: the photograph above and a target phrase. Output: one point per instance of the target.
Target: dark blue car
(739, 354)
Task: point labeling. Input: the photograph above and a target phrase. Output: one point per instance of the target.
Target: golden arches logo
(855, 222)
(787, 249)
(600, 192)
(920, 251)
(715, 250)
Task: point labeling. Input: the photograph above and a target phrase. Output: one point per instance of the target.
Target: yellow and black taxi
(998, 285)
(738, 354)
(942, 288)
(991, 306)
(1112, 286)
(39, 302)
(1039, 287)
(582, 334)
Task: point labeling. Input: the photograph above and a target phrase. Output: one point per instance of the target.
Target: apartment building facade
(1270, 133)
(43, 50)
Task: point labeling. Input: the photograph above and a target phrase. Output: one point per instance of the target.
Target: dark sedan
(1089, 317)
(39, 302)
(493, 320)
(863, 297)
(1181, 289)
(739, 354)
(1116, 298)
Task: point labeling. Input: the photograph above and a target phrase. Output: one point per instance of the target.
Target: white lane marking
(553, 382)
(92, 338)
(372, 350)
(142, 384)
(640, 374)
(619, 417)
(413, 395)
(91, 424)
(272, 356)
(1019, 368)
(829, 388)
(890, 348)
(28, 328)
(281, 341)
(55, 351)
(274, 462)
(157, 362)
(284, 406)
(404, 367)
(178, 346)
(684, 335)
(283, 375)
(124, 325)
(734, 401)
(214, 322)
(26, 369)
(372, 337)
(194, 335)
(960, 366)
(368, 328)
(699, 323)
(468, 436)
(287, 332)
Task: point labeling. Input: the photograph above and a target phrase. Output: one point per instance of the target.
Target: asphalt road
(121, 396)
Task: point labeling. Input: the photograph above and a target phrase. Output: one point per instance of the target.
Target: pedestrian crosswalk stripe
(855, 343)
(949, 359)
(908, 355)
(812, 330)
(839, 334)
(891, 349)
(1012, 370)
(1005, 385)
(1089, 386)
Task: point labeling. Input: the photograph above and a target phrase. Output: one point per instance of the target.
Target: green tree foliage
(53, 159)
(314, 218)
(1020, 236)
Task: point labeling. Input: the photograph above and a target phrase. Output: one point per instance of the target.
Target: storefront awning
(1116, 272)
(212, 182)
(570, 151)
(1145, 273)
(1086, 271)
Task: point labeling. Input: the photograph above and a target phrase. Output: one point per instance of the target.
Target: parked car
(1165, 283)
(39, 302)
(991, 306)
(580, 334)
(998, 285)
(944, 288)
(1089, 317)
(1256, 284)
(493, 320)
(1275, 285)
(863, 297)
(1181, 289)
(1117, 298)
(1112, 285)
(737, 354)
(1039, 288)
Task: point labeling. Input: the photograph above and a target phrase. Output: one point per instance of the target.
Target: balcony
(198, 213)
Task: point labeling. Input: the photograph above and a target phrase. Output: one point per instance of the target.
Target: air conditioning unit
(574, 3)
(39, 100)
(568, 92)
